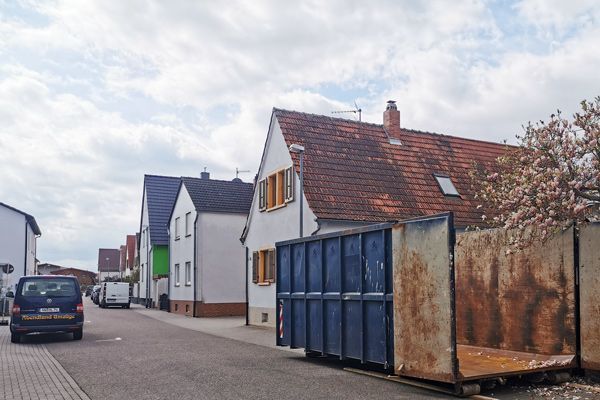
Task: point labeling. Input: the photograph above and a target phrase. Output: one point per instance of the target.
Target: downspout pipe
(169, 272)
(148, 270)
(25, 256)
(247, 287)
(195, 266)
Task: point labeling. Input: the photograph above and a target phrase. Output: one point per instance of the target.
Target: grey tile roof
(30, 220)
(161, 192)
(212, 195)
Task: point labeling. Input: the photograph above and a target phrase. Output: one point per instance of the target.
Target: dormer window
(446, 185)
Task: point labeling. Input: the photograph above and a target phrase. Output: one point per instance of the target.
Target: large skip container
(409, 296)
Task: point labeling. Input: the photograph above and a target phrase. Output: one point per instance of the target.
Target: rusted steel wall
(589, 295)
(423, 342)
(522, 301)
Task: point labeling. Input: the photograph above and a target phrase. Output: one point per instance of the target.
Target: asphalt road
(155, 360)
(126, 355)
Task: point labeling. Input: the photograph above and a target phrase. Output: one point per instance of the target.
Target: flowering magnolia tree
(550, 180)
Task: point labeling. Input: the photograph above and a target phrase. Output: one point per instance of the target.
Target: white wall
(268, 227)
(221, 258)
(181, 250)
(12, 243)
(31, 250)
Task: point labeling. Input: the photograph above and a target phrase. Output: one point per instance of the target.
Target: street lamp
(299, 149)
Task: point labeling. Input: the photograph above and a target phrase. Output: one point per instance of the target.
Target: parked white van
(114, 294)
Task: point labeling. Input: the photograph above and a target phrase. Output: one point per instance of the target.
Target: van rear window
(52, 287)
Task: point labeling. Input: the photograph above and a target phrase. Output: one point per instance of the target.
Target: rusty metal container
(589, 295)
(411, 297)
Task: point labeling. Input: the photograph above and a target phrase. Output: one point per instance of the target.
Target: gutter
(318, 221)
(195, 265)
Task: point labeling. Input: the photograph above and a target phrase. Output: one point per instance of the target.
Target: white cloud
(95, 94)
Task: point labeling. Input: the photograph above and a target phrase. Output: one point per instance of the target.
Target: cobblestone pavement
(28, 371)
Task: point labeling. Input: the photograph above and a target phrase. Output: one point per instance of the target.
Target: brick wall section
(220, 309)
(208, 310)
(179, 307)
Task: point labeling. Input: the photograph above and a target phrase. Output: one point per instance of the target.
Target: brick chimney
(204, 174)
(391, 121)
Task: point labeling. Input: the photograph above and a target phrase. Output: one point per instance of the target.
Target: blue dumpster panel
(336, 291)
(315, 338)
(332, 265)
(332, 327)
(314, 267)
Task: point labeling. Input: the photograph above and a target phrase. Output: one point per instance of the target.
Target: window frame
(177, 275)
(276, 189)
(188, 273)
(177, 228)
(438, 177)
(188, 217)
(264, 266)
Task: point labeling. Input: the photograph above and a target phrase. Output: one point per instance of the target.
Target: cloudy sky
(95, 94)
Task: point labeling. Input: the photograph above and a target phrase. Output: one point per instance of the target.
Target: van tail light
(79, 308)
(16, 310)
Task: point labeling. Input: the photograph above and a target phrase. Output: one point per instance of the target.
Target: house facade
(85, 277)
(158, 197)
(18, 242)
(207, 266)
(355, 174)
(108, 264)
(130, 252)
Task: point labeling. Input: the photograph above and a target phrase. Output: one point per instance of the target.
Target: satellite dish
(7, 268)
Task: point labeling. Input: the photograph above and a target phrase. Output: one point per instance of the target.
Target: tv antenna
(239, 171)
(356, 110)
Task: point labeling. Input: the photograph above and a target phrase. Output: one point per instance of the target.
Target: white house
(18, 242)
(355, 173)
(158, 197)
(206, 261)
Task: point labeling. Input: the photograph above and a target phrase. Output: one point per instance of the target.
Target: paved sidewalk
(228, 327)
(29, 371)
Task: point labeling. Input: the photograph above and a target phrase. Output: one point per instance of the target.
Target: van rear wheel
(78, 334)
(15, 337)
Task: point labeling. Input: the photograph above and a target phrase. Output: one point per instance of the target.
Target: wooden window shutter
(262, 195)
(255, 267)
(289, 184)
(271, 266)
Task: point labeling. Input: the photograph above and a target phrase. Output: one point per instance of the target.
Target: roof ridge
(416, 131)
(216, 180)
(162, 176)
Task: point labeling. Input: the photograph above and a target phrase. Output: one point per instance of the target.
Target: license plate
(50, 309)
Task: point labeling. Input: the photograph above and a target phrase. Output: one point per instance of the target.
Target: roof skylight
(446, 185)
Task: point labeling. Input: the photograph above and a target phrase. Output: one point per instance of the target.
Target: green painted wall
(160, 260)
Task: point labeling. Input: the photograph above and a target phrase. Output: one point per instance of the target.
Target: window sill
(188, 284)
(264, 283)
(177, 284)
(188, 235)
(276, 207)
(177, 238)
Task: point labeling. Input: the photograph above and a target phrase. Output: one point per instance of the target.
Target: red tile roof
(352, 172)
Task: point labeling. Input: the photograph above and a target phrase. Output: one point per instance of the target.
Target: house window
(446, 185)
(276, 189)
(263, 266)
(188, 217)
(188, 273)
(142, 273)
(177, 275)
(177, 228)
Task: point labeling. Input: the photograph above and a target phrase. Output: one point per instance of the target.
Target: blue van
(47, 303)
